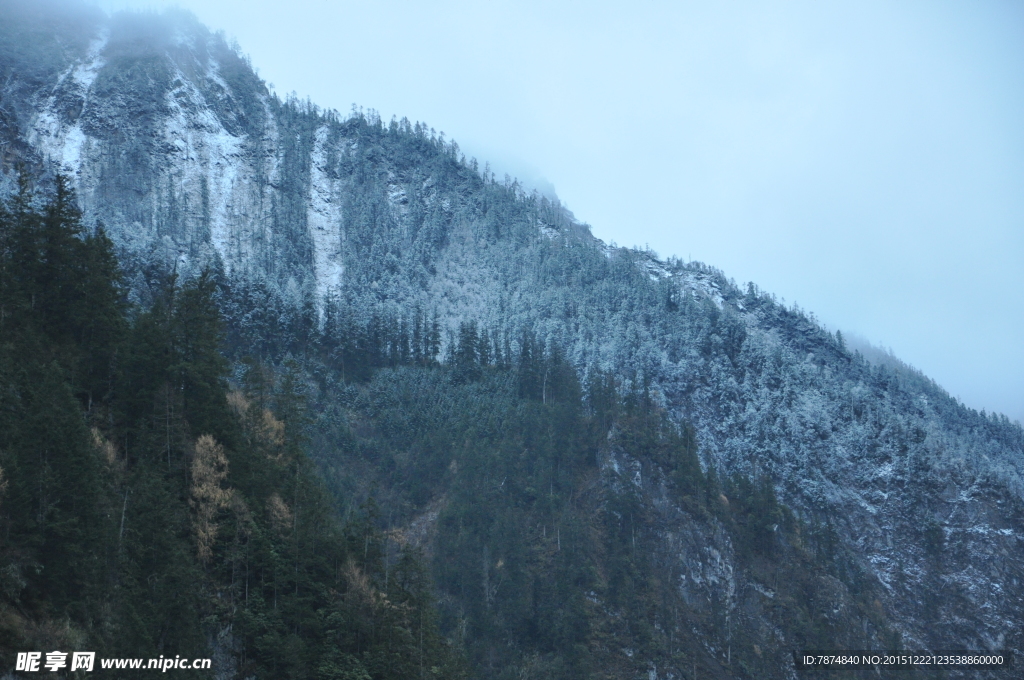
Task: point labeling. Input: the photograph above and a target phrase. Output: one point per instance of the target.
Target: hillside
(611, 464)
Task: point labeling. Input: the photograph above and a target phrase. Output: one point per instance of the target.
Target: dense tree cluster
(151, 508)
(543, 497)
(477, 380)
(148, 508)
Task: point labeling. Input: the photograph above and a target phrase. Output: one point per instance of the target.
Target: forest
(316, 396)
(151, 507)
(368, 509)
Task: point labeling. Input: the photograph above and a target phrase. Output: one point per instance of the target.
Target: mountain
(726, 481)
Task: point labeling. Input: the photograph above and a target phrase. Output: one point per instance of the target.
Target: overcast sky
(865, 161)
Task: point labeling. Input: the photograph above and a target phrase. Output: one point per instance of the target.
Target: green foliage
(147, 510)
(544, 514)
(571, 528)
(755, 514)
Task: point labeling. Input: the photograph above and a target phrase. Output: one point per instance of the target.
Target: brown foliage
(280, 514)
(209, 468)
(108, 450)
(261, 426)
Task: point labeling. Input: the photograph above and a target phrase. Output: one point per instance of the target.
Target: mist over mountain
(610, 464)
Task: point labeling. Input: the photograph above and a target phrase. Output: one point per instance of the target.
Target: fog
(866, 161)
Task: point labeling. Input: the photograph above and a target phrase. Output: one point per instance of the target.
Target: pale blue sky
(865, 159)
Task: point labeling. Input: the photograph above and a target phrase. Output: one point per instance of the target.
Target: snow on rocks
(324, 219)
(60, 142)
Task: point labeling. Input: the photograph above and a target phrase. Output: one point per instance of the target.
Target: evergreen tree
(184, 511)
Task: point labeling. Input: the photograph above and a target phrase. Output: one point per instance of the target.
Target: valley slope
(904, 508)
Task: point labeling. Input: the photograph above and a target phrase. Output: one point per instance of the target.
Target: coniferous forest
(316, 396)
(160, 497)
(150, 507)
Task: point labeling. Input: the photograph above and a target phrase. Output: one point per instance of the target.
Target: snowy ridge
(656, 270)
(208, 190)
(700, 284)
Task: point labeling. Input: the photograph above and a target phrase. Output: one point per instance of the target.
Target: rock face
(178, 148)
(173, 142)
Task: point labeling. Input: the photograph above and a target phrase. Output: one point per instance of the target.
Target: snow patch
(58, 142)
(207, 158)
(655, 270)
(548, 231)
(324, 220)
(397, 195)
(700, 285)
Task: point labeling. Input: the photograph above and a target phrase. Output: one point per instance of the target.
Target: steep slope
(318, 223)
(146, 511)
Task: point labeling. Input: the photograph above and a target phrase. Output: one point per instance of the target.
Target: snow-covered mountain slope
(178, 148)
